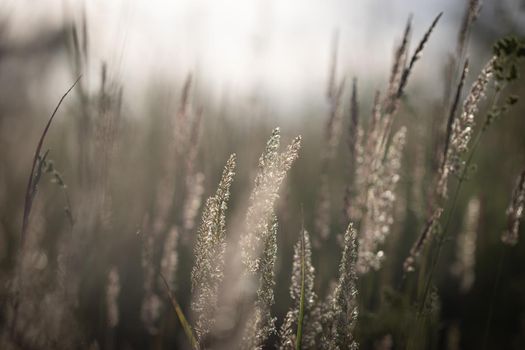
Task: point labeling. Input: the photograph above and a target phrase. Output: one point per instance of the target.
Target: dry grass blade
(471, 14)
(401, 52)
(31, 184)
(180, 315)
(454, 107)
(416, 55)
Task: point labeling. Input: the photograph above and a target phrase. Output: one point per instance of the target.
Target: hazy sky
(278, 49)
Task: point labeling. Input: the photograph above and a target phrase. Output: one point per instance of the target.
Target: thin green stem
(443, 235)
(441, 240)
(462, 178)
(180, 315)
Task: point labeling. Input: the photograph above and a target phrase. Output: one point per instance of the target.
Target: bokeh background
(253, 65)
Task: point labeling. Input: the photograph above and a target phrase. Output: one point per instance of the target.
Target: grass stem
(180, 315)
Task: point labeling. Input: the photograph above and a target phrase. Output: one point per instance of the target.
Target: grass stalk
(180, 315)
(443, 235)
(31, 189)
(31, 183)
(462, 178)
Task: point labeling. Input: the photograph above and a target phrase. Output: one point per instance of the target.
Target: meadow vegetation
(395, 227)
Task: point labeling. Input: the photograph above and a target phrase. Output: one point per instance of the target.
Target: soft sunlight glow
(269, 50)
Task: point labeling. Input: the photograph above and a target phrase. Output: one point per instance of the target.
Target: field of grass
(388, 222)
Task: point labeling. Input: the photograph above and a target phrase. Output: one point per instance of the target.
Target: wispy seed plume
(112, 295)
(303, 274)
(208, 270)
(465, 262)
(381, 198)
(515, 212)
(259, 243)
(344, 305)
(273, 167)
(462, 128)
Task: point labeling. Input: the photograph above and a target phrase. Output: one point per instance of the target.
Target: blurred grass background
(35, 70)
